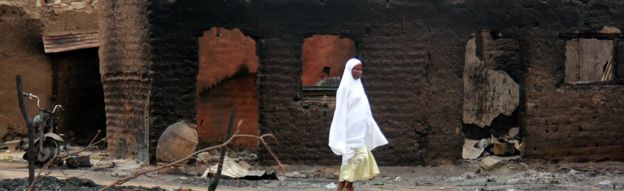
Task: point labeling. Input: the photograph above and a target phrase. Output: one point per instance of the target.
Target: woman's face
(356, 72)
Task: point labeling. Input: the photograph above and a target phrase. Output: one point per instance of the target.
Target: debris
(492, 162)
(377, 183)
(233, 169)
(295, 175)
(472, 149)
(607, 184)
(397, 179)
(503, 149)
(12, 156)
(331, 186)
(206, 158)
(12, 145)
(513, 132)
(102, 165)
(78, 161)
(329, 173)
(78, 5)
(124, 167)
(71, 183)
(245, 155)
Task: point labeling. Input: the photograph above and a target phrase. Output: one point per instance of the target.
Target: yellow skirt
(361, 167)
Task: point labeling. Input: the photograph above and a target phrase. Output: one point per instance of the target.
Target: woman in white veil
(354, 132)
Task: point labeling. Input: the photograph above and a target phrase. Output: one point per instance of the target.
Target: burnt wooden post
(31, 139)
(215, 182)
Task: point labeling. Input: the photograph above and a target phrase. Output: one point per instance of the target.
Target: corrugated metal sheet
(67, 42)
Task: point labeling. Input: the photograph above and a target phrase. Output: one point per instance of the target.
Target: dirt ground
(465, 175)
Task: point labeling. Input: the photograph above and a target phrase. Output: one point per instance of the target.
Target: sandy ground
(465, 175)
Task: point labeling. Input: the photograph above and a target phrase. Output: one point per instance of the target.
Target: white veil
(338, 132)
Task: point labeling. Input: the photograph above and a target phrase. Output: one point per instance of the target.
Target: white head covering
(353, 125)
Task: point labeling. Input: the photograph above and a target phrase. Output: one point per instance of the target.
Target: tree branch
(141, 172)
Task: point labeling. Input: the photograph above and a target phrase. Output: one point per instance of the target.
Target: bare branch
(144, 171)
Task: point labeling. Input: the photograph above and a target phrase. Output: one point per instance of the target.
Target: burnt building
(435, 72)
(53, 46)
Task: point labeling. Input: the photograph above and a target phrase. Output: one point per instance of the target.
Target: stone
(472, 149)
(513, 132)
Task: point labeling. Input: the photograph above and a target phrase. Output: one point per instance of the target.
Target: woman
(354, 132)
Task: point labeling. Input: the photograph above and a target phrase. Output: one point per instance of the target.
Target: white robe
(353, 125)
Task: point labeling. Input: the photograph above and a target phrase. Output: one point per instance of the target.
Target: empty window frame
(323, 60)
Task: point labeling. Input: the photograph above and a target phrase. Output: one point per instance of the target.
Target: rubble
(607, 184)
(234, 169)
(472, 149)
(295, 175)
(12, 146)
(492, 162)
(331, 186)
(503, 149)
(73, 183)
(78, 161)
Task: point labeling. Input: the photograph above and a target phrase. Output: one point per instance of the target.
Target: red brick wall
(227, 79)
(321, 51)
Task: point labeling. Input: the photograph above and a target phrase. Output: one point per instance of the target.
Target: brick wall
(227, 78)
(564, 122)
(413, 54)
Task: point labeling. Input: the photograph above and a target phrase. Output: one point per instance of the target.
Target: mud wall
(21, 52)
(124, 69)
(396, 51)
(414, 57)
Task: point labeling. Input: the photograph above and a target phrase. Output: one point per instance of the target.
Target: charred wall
(124, 68)
(414, 57)
(395, 47)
